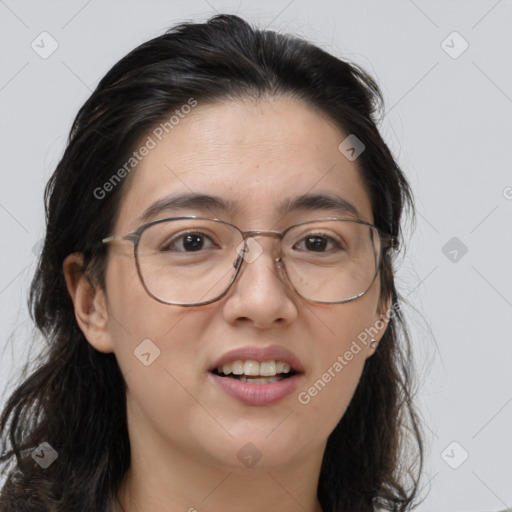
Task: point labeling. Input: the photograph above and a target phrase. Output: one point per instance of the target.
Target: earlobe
(89, 302)
(380, 326)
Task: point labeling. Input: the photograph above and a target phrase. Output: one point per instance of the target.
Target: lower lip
(257, 394)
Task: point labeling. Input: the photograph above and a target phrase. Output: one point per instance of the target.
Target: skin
(184, 432)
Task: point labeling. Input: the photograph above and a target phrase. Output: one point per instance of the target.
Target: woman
(217, 291)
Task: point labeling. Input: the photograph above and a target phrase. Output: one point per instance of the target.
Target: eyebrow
(305, 202)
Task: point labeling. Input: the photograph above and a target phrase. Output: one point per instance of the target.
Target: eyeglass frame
(134, 237)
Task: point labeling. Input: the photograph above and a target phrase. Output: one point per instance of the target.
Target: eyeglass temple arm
(132, 237)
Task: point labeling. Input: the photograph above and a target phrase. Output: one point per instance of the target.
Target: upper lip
(269, 353)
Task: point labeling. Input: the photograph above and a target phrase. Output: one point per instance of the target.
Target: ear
(377, 330)
(89, 302)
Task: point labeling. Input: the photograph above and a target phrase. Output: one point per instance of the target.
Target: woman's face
(257, 156)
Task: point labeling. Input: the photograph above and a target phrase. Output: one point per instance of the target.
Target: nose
(261, 295)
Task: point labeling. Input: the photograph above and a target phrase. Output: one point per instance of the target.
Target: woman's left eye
(318, 243)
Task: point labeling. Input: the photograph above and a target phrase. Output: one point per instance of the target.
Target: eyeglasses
(191, 261)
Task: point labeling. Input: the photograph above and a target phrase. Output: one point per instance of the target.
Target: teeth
(282, 367)
(252, 368)
(268, 368)
(237, 367)
(264, 380)
(255, 368)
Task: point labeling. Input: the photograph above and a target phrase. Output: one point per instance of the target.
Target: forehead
(256, 156)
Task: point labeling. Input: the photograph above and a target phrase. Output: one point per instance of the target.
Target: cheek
(329, 394)
(140, 326)
(325, 400)
(160, 395)
(155, 349)
(346, 328)
(341, 355)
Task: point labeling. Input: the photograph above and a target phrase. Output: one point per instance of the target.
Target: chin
(257, 450)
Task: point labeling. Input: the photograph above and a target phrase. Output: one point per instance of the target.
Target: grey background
(448, 120)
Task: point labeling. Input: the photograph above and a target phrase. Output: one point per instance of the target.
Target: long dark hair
(75, 399)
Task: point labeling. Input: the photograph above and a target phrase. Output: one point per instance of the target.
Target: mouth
(256, 372)
(257, 376)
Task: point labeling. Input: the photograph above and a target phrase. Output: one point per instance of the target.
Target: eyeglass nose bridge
(277, 256)
(277, 253)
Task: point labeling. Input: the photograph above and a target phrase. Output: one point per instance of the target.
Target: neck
(177, 474)
(176, 482)
(215, 490)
